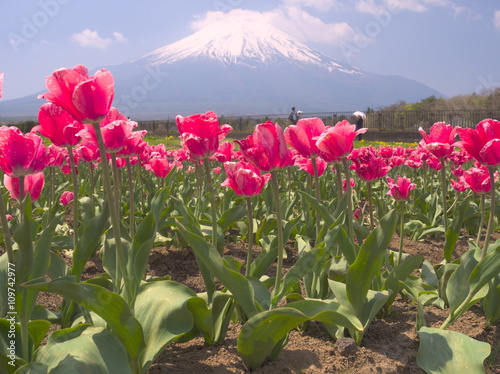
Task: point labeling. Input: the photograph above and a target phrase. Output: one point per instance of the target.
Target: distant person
(359, 122)
(293, 117)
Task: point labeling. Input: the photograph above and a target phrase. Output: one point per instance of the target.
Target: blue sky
(450, 45)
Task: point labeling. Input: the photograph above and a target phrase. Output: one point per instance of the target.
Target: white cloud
(419, 6)
(291, 19)
(119, 37)
(89, 38)
(496, 19)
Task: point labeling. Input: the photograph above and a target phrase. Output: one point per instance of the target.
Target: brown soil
(389, 346)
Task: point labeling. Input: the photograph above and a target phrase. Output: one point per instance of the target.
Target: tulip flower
(21, 154)
(266, 148)
(440, 140)
(58, 125)
(225, 152)
(483, 142)
(244, 178)
(33, 185)
(303, 136)
(66, 198)
(400, 190)
(1, 84)
(85, 97)
(160, 166)
(200, 134)
(306, 164)
(338, 141)
(478, 179)
(367, 163)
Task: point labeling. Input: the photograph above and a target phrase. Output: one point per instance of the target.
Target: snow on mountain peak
(241, 41)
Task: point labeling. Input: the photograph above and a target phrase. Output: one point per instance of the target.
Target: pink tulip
(200, 134)
(483, 142)
(225, 152)
(478, 179)
(33, 185)
(338, 141)
(367, 163)
(134, 145)
(306, 164)
(303, 136)
(21, 154)
(440, 140)
(66, 198)
(434, 163)
(459, 185)
(160, 166)
(266, 147)
(115, 131)
(401, 189)
(86, 98)
(244, 178)
(58, 125)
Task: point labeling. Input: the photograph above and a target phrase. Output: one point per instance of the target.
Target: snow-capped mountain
(240, 67)
(242, 42)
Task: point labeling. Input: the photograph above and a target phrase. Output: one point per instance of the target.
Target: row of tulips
(341, 206)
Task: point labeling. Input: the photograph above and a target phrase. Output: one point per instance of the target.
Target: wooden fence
(393, 123)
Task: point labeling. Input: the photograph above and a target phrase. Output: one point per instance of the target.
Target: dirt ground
(389, 346)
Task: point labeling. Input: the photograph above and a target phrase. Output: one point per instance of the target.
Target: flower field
(261, 248)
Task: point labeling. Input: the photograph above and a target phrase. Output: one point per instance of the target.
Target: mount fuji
(239, 67)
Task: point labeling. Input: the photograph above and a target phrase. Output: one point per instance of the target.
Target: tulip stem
(213, 207)
(250, 236)
(401, 230)
(443, 189)
(317, 191)
(489, 230)
(339, 179)
(279, 227)
(131, 199)
(6, 231)
(481, 222)
(370, 204)
(350, 228)
(121, 269)
(74, 179)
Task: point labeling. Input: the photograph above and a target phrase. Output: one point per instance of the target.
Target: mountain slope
(239, 67)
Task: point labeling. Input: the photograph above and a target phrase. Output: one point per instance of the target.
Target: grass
(173, 142)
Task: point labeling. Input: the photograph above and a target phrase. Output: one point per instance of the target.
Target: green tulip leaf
(81, 349)
(162, 310)
(448, 352)
(368, 261)
(110, 306)
(89, 241)
(264, 331)
(235, 282)
(232, 215)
